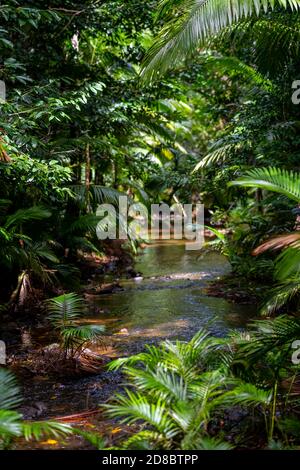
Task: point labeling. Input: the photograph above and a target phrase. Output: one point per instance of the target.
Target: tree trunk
(87, 175)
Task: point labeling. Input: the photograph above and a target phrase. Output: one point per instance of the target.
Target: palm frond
(231, 64)
(175, 398)
(273, 179)
(133, 407)
(93, 438)
(184, 415)
(9, 390)
(290, 425)
(287, 264)
(103, 194)
(277, 243)
(217, 156)
(220, 235)
(151, 357)
(280, 296)
(10, 424)
(143, 196)
(65, 312)
(249, 395)
(192, 21)
(84, 244)
(268, 335)
(210, 443)
(99, 194)
(82, 333)
(275, 40)
(38, 429)
(144, 440)
(4, 205)
(84, 223)
(64, 309)
(43, 251)
(163, 385)
(26, 215)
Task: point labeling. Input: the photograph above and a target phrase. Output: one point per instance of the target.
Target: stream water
(168, 300)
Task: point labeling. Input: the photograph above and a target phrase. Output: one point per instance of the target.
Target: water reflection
(170, 300)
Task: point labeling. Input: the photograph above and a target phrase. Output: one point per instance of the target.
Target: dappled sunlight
(149, 227)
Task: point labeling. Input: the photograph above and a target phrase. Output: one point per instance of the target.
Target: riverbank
(237, 290)
(169, 298)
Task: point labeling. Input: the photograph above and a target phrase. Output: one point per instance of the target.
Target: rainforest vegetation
(160, 101)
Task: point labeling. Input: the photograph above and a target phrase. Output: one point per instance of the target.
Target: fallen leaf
(51, 442)
(116, 430)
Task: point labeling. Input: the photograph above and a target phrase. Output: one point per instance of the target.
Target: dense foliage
(167, 100)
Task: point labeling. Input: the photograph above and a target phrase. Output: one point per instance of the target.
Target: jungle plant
(189, 23)
(264, 356)
(177, 390)
(287, 264)
(22, 256)
(66, 316)
(244, 226)
(12, 424)
(16, 246)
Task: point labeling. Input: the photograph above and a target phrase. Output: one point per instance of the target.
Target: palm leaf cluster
(65, 314)
(287, 264)
(11, 423)
(273, 179)
(274, 38)
(16, 247)
(21, 251)
(176, 390)
(190, 22)
(269, 336)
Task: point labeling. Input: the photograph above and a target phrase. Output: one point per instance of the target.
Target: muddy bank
(236, 290)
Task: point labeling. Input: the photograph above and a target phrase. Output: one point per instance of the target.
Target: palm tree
(287, 264)
(15, 246)
(20, 254)
(190, 22)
